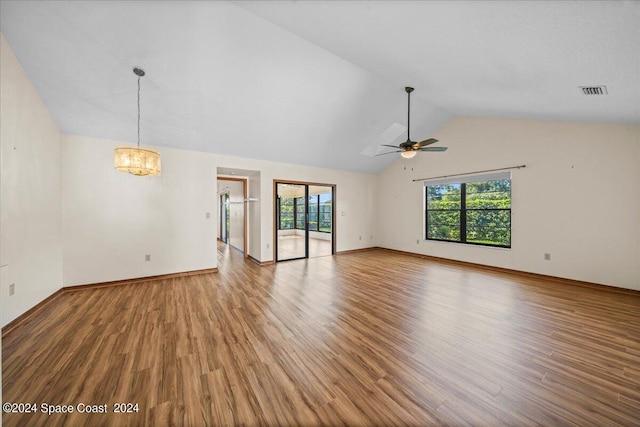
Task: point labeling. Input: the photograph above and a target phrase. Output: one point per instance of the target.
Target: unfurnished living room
(305, 213)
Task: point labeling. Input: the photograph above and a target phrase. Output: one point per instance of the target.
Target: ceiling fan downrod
(408, 90)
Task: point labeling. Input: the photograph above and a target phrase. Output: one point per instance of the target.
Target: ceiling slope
(218, 79)
(320, 83)
(514, 59)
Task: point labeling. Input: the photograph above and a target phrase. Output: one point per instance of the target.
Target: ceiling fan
(409, 148)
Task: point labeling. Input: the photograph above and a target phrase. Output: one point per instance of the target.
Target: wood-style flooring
(371, 338)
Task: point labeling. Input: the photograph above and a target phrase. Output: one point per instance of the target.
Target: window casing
(475, 211)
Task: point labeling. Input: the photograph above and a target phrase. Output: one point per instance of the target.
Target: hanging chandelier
(136, 160)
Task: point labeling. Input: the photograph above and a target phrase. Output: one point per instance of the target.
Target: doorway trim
(244, 197)
(274, 243)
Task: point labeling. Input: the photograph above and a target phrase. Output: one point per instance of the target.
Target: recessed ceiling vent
(593, 90)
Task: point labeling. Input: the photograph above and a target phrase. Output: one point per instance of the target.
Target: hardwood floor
(371, 338)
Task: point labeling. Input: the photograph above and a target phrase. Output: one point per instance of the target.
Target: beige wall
(578, 198)
(111, 220)
(30, 212)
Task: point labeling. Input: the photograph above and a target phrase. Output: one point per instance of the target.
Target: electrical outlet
(547, 257)
(359, 237)
(12, 289)
(208, 215)
(417, 241)
(268, 245)
(147, 257)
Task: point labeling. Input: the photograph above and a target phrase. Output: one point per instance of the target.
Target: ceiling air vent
(593, 90)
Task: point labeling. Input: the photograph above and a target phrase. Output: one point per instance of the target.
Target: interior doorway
(304, 220)
(232, 229)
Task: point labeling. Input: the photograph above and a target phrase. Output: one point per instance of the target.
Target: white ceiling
(522, 59)
(319, 83)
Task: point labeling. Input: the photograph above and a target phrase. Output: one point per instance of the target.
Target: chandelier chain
(138, 111)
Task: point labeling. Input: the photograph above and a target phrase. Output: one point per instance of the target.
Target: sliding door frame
(307, 184)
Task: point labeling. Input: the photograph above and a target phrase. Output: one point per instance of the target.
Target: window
(291, 214)
(319, 213)
(285, 209)
(324, 213)
(313, 212)
(475, 211)
(298, 204)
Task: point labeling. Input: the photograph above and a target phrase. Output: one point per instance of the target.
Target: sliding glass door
(320, 206)
(291, 220)
(304, 220)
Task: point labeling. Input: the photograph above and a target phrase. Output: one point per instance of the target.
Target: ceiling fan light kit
(408, 154)
(409, 148)
(135, 160)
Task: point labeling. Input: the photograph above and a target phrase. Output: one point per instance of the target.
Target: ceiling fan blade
(387, 145)
(426, 142)
(433, 149)
(388, 152)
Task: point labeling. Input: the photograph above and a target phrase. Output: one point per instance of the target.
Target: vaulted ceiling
(321, 82)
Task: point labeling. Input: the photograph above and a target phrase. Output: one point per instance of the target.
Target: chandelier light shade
(136, 160)
(408, 154)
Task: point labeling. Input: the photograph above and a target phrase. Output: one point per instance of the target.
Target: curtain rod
(470, 173)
